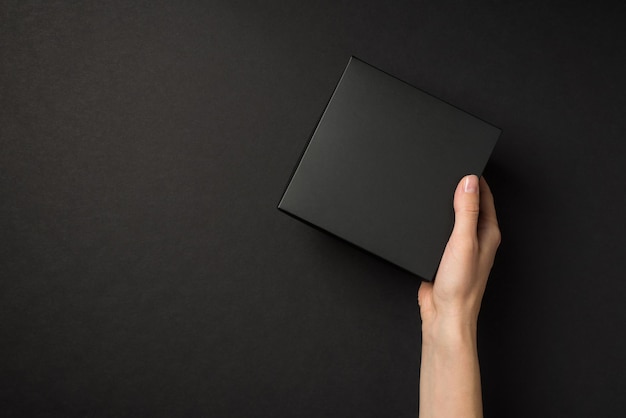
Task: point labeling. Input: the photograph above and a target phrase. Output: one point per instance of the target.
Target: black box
(381, 167)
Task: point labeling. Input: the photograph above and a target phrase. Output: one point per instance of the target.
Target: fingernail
(471, 184)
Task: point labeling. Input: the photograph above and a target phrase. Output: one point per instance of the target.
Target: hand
(449, 306)
(456, 293)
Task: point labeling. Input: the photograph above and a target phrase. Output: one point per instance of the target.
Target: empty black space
(145, 269)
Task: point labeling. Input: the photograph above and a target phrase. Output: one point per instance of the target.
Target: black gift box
(381, 167)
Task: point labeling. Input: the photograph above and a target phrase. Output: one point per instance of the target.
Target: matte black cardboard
(382, 165)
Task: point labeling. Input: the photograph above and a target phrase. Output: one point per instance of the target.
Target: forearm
(450, 374)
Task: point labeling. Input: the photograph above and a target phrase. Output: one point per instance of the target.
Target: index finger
(488, 215)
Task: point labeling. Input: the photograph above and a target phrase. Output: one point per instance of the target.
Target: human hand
(449, 306)
(456, 293)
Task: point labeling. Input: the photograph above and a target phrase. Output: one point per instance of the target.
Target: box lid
(381, 167)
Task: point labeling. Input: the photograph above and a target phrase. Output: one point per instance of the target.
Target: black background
(145, 269)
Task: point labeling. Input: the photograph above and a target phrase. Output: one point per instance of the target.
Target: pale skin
(449, 307)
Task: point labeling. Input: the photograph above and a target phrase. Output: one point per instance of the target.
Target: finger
(487, 206)
(488, 229)
(466, 208)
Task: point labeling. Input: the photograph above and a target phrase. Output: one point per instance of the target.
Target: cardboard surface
(146, 272)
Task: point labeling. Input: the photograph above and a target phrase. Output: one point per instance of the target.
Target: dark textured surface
(382, 165)
(145, 270)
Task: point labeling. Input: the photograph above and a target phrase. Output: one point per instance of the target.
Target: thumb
(466, 208)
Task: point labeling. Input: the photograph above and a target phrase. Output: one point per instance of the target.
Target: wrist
(449, 369)
(449, 332)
